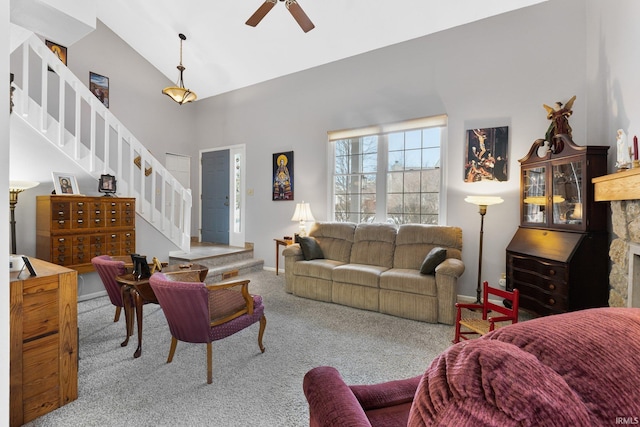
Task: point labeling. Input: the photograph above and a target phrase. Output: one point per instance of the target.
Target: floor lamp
(482, 202)
(16, 187)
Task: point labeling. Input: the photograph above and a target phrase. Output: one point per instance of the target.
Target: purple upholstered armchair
(334, 403)
(199, 313)
(108, 268)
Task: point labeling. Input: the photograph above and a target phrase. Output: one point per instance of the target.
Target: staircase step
(230, 271)
(224, 262)
(212, 256)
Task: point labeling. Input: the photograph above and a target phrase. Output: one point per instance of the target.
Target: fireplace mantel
(623, 185)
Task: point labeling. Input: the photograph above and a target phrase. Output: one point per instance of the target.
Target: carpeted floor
(249, 388)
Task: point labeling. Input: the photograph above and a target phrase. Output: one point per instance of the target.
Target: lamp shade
(19, 186)
(179, 94)
(302, 213)
(484, 200)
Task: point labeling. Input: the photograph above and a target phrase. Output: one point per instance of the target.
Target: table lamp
(302, 214)
(482, 202)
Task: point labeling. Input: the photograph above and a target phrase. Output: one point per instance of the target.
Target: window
(388, 173)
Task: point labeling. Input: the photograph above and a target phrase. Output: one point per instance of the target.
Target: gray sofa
(377, 267)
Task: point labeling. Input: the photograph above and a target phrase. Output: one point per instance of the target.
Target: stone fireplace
(622, 189)
(625, 253)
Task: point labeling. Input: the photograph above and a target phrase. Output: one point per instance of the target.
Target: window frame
(382, 173)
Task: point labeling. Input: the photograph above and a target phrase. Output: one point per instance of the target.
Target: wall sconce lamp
(178, 92)
(302, 214)
(15, 188)
(482, 202)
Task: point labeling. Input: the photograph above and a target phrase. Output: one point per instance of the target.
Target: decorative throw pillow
(435, 257)
(310, 248)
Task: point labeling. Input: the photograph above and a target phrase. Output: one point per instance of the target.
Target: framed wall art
(487, 154)
(282, 185)
(99, 86)
(59, 50)
(64, 183)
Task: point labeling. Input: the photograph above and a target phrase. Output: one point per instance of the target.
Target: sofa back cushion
(374, 244)
(335, 239)
(415, 241)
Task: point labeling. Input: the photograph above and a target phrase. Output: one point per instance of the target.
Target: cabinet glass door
(567, 193)
(534, 196)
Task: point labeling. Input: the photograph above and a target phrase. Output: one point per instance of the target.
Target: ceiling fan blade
(261, 12)
(298, 14)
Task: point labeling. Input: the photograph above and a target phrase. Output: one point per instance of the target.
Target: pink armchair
(199, 313)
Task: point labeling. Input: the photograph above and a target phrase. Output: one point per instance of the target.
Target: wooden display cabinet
(558, 257)
(70, 230)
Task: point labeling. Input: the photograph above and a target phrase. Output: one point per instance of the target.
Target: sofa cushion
(320, 268)
(374, 245)
(415, 241)
(311, 249)
(358, 274)
(432, 260)
(408, 280)
(335, 239)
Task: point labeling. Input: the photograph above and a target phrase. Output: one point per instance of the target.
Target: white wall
(495, 72)
(612, 71)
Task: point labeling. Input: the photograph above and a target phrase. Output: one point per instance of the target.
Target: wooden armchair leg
(172, 350)
(263, 324)
(209, 364)
(117, 316)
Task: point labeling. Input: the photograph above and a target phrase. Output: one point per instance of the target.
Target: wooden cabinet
(43, 341)
(558, 258)
(70, 230)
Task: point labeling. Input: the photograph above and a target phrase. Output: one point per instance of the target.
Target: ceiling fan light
(179, 93)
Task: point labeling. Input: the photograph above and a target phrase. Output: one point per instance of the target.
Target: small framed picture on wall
(99, 86)
(487, 152)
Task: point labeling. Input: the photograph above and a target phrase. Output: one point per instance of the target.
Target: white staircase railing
(63, 110)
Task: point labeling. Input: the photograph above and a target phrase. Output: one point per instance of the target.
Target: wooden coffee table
(141, 292)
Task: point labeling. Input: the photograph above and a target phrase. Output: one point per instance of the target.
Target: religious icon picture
(59, 50)
(282, 185)
(64, 183)
(487, 155)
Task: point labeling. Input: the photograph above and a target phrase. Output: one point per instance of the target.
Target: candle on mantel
(635, 147)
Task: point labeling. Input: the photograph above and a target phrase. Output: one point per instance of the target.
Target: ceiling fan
(292, 6)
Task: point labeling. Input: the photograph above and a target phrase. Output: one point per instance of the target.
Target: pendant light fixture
(178, 92)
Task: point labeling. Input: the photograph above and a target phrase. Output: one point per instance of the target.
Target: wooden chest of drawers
(558, 271)
(43, 340)
(70, 230)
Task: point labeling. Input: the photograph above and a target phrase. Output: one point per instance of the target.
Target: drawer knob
(552, 287)
(552, 272)
(552, 301)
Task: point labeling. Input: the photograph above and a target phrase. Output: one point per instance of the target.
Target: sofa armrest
(450, 267)
(292, 254)
(391, 393)
(331, 401)
(447, 274)
(292, 250)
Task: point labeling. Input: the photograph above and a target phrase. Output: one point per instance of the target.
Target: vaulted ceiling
(221, 53)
